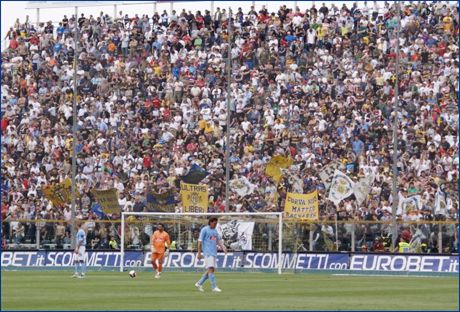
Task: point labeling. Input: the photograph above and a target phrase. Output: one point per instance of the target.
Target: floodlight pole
(227, 135)
(395, 193)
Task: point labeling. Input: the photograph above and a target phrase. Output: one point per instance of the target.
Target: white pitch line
(389, 275)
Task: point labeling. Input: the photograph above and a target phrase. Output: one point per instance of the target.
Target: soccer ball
(132, 274)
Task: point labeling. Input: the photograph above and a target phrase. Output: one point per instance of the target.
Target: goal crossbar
(130, 213)
(279, 216)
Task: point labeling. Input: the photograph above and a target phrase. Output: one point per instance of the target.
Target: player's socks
(77, 268)
(203, 279)
(212, 279)
(83, 267)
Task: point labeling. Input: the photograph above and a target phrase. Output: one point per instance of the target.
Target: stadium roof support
(74, 132)
(395, 193)
(227, 132)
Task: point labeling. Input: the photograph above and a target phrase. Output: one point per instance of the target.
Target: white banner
(242, 187)
(370, 172)
(295, 181)
(237, 235)
(408, 204)
(327, 174)
(440, 203)
(362, 188)
(341, 187)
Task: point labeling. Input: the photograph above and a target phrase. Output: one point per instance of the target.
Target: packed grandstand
(316, 86)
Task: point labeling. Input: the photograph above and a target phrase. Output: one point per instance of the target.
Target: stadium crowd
(317, 85)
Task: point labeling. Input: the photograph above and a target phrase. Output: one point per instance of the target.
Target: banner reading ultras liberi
(301, 206)
(194, 197)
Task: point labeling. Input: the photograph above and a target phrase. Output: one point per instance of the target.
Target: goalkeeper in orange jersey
(160, 241)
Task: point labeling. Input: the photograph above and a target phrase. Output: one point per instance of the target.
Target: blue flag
(195, 175)
(97, 209)
(164, 202)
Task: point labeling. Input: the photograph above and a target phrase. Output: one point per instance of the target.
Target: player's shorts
(81, 253)
(158, 258)
(210, 262)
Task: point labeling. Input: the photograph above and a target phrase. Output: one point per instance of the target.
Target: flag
(327, 174)
(274, 166)
(362, 188)
(440, 202)
(301, 206)
(242, 186)
(341, 187)
(161, 202)
(296, 182)
(194, 197)
(108, 199)
(97, 209)
(370, 171)
(195, 175)
(237, 235)
(59, 194)
(408, 204)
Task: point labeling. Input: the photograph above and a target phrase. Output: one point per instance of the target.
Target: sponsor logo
(240, 260)
(404, 263)
(249, 260)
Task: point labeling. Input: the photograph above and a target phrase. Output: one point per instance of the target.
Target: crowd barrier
(344, 235)
(426, 263)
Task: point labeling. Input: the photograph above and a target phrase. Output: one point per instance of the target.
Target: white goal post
(275, 215)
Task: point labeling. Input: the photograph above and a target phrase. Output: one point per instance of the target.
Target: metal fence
(367, 236)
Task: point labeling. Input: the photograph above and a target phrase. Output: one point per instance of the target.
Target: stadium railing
(317, 236)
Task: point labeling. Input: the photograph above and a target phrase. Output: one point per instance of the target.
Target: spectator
(113, 243)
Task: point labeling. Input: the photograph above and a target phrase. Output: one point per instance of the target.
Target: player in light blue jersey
(207, 243)
(80, 251)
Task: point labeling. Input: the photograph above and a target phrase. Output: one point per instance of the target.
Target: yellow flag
(60, 193)
(301, 206)
(273, 172)
(194, 197)
(275, 165)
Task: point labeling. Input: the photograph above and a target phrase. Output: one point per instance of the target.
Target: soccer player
(80, 251)
(160, 241)
(207, 242)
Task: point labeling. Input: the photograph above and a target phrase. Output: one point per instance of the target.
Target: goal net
(253, 240)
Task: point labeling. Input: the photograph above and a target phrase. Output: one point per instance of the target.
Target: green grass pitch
(55, 290)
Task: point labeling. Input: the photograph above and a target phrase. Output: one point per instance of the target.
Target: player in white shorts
(80, 251)
(208, 241)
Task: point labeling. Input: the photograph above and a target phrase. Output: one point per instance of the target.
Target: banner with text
(404, 263)
(194, 197)
(301, 206)
(178, 260)
(108, 199)
(241, 260)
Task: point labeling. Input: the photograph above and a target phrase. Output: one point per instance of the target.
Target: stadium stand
(315, 85)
